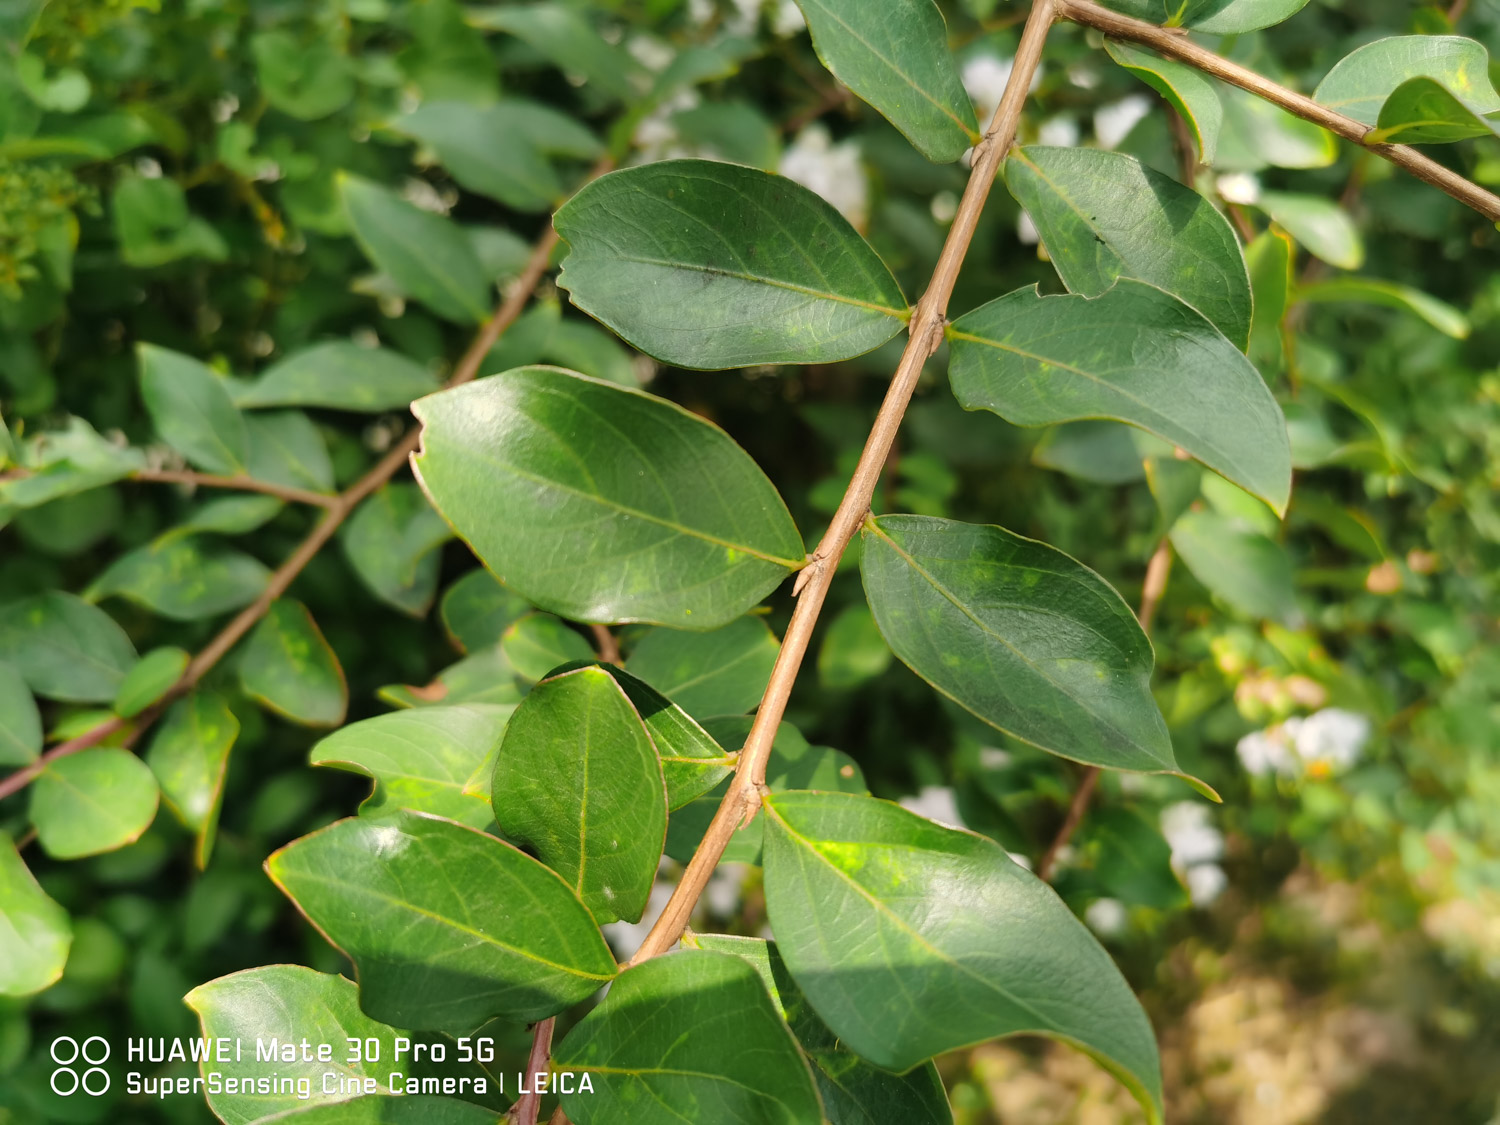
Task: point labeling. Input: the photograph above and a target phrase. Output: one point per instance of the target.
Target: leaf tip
(1203, 787)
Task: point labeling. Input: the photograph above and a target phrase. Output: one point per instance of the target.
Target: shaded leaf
(392, 543)
(484, 676)
(190, 757)
(565, 37)
(306, 80)
(177, 578)
(288, 666)
(1377, 291)
(92, 801)
(152, 676)
(20, 721)
(1271, 258)
(230, 515)
(537, 643)
(1247, 570)
(853, 650)
(476, 610)
(342, 376)
(1098, 451)
(1256, 134)
(1319, 224)
(1189, 92)
(286, 448)
(691, 761)
(35, 932)
(191, 409)
(67, 462)
(721, 672)
(402, 1109)
(65, 648)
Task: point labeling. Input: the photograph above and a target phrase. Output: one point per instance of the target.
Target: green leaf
(1416, 89)
(1319, 224)
(484, 676)
(35, 933)
(1104, 215)
(154, 226)
(578, 782)
(1271, 258)
(691, 761)
(536, 644)
(392, 543)
(152, 676)
(895, 56)
(1097, 451)
(1028, 639)
(190, 757)
(65, 463)
(177, 578)
(691, 1037)
(385, 1109)
(192, 410)
(92, 801)
(428, 256)
(1136, 355)
(288, 667)
(1257, 133)
(1234, 17)
(476, 610)
(427, 910)
(562, 35)
(852, 1091)
(1247, 570)
(724, 266)
(341, 376)
(873, 905)
(20, 721)
(853, 650)
(426, 760)
(65, 648)
(287, 1004)
(286, 448)
(306, 80)
(1188, 91)
(604, 523)
(230, 515)
(721, 672)
(1377, 291)
(737, 131)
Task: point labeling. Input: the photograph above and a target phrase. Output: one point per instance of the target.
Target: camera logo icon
(72, 1057)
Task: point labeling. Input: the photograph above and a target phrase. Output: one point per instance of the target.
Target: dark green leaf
(65, 648)
(192, 411)
(288, 667)
(691, 761)
(564, 36)
(20, 721)
(1220, 17)
(721, 672)
(484, 676)
(66, 462)
(383, 1109)
(342, 376)
(35, 933)
(150, 679)
(537, 643)
(1271, 258)
(1189, 92)
(1097, 451)
(853, 650)
(286, 448)
(190, 757)
(1377, 291)
(177, 578)
(1243, 567)
(476, 610)
(92, 801)
(1416, 89)
(230, 515)
(308, 80)
(392, 543)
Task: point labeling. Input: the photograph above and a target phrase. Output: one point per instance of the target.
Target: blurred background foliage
(1324, 946)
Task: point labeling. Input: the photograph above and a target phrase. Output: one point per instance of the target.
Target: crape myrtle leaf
(1174, 486)
(66, 462)
(288, 667)
(190, 757)
(587, 499)
(428, 910)
(735, 130)
(578, 782)
(65, 648)
(1424, 111)
(308, 80)
(91, 802)
(1027, 638)
(387, 1109)
(691, 1036)
(721, 672)
(1416, 89)
(1319, 224)
(149, 679)
(179, 578)
(287, 1003)
(1132, 860)
(476, 610)
(873, 905)
(895, 56)
(1377, 291)
(229, 515)
(1234, 17)
(341, 376)
(725, 266)
(427, 255)
(539, 642)
(1243, 567)
(484, 676)
(853, 1091)
(853, 650)
(286, 448)
(1271, 258)
(420, 759)
(20, 721)
(1189, 92)
(1135, 354)
(391, 542)
(1256, 134)
(35, 932)
(1098, 451)
(502, 253)
(191, 409)
(564, 36)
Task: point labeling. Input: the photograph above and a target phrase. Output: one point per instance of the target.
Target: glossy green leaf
(192, 410)
(181, 579)
(1137, 355)
(92, 801)
(1103, 216)
(853, 1092)
(692, 1037)
(150, 679)
(20, 721)
(1028, 639)
(287, 1004)
(578, 782)
(1218, 17)
(895, 56)
(1188, 91)
(721, 672)
(484, 676)
(428, 912)
(286, 448)
(35, 932)
(65, 648)
(564, 36)
(190, 757)
(428, 256)
(288, 666)
(605, 523)
(873, 905)
(392, 543)
(1389, 294)
(422, 759)
(853, 650)
(724, 266)
(536, 644)
(1318, 224)
(1247, 570)
(691, 761)
(1416, 89)
(476, 610)
(342, 376)
(230, 515)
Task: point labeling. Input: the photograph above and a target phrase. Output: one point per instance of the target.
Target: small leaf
(230, 515)
(721, 672)
(150, 679)
(341, 376)
(476, 610)
(895, 56)
(563, 35)
(91, 802)
(692, 1037)
(177, 578)
(853, 650)
(192, 411)
(286, 448)
(536, 644)
(1189, 92)
(1137, 355)
(484, 676)
(20, 721)
(35, 932)
(288, 667)
(724, 266)
(1319, 224)
(308, 80)
(190, 757)
(1234, 17)
(1247, 570)
(67, 462)
(1271, 258)
(1377, 291)
(1416, 89)
(65, 648)
(604, 523)
(865, 901)
(1028, 639)
(427, 911)
(392, 543)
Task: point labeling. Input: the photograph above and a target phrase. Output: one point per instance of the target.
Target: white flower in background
(1026, 230)
(656, 137)
(1238, 187)
(1107, 917)
(994, 758)
(943, 207)
(419, 193)
(1332, 738)
(1082, 76)
(650, 52)
(935, 802)
(1206, 882)
(1061, 131)
(1266, 751)
(787, 20)
(722, 895)
(832, 170)
(700, 12)
(1196, 848)
(984, 77)
(1113, 122)
(746, 16)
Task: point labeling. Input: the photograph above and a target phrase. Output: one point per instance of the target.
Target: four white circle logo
(66, 1051)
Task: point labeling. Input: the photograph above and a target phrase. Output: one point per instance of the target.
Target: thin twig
(525, 1111)
(605, 644)
(743, 799)
(1456, 12)
(240, 483)
(1175, 45)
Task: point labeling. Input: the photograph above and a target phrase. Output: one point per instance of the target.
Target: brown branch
(525, 1111)
(605, 644)
(1456, 12)
(1174, 45)
(239, 482)
(558, 1117)
(742, 801)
